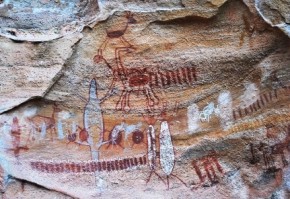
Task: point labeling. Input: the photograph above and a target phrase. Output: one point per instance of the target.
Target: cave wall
(145, 98)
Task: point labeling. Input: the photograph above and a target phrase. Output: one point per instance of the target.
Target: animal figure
(83, 136)
(141, 80)
(113, 34)
(115, 136)
(49, 122)
(71, 137)
(207, 111)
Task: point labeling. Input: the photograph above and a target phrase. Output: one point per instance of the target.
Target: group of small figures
(269, 152)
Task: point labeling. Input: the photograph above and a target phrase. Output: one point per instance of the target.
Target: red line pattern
(185, 75)
(88, 167)
(263, 100)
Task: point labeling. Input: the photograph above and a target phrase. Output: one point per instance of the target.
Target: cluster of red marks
(185, 75)
(262, 101)
(88, 167)
(16, 138)
(208, 163)
(270, 151)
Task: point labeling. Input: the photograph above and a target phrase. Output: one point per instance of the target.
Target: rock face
(144, 99)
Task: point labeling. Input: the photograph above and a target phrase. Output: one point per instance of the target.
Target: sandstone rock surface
(144, 99)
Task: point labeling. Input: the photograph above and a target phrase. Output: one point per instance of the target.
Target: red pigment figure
(116, 34)
(16, 137)
(83, 135)
(264, 99)
(278, 149)
(268, 157)
(137, 137)
(254, 158)
(50, 122)
(141, 80)
(209, 163)
(71, 137)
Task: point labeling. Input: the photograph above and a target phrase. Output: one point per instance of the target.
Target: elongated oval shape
(166, 149)
(151, 147)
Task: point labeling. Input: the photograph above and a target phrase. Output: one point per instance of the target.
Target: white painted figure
(60, 133)
(166, 149)
(225, 108)
(207, 111)
(192, 118)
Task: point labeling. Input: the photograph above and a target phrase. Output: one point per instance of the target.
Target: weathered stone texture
(144, 99)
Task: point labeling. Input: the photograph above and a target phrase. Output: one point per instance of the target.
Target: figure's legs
(68, 143)
(151, 98)
(103, 47)
(123, 102)
(179, 179)
(124, 41)
(109, 145)
(215, 178)
(120, 146)
(109, 92)
(218, 166)
(97, 58)
(198, 172)
(119, 104)
(127, 101)
(208, 173)
(150, 175)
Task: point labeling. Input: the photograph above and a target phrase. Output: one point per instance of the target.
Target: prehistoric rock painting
(264, 99)
(116, 34)
(140, 79)
(185, 99)
(16, 138)
(167, 158)
(89, 166)
(271, 152)
(46, 122)
(211, 167)
(207, 111)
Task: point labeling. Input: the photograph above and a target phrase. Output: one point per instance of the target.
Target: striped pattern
(181, 76)
(88, 167)
(262, 101)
